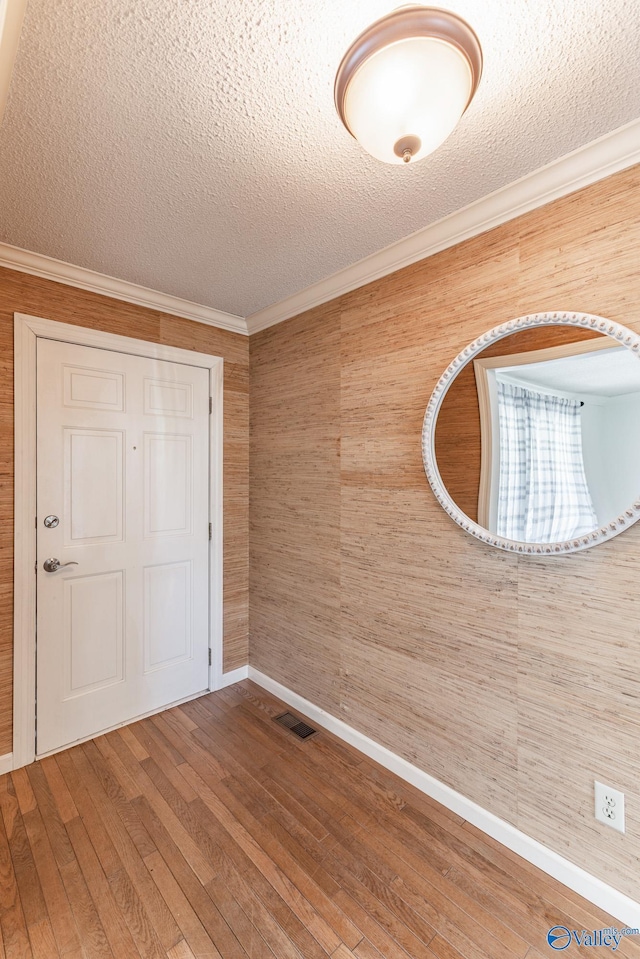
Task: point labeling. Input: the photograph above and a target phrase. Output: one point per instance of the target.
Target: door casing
(27, 329)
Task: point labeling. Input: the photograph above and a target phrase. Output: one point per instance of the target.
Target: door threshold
(127, 722)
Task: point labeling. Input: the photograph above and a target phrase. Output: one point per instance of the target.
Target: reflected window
(556, 425)
(542, 494)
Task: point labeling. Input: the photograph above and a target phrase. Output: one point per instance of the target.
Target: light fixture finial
(407, 147)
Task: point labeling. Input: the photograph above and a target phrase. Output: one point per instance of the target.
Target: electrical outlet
(609, 806)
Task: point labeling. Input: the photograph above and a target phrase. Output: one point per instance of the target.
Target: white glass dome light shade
(404, 83)
(418, 87)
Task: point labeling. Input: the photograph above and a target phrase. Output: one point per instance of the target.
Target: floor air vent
(296, 725)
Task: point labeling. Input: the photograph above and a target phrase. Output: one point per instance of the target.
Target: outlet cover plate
(609, 806)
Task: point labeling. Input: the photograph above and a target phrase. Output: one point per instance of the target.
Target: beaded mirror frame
(598, 324)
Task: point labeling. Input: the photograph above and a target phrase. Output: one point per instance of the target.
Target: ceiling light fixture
(404, 83)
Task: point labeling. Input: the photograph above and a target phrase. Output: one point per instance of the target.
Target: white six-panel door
(122, 463)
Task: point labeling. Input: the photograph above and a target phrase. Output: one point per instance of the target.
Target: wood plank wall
(21, 293)
(514, 680)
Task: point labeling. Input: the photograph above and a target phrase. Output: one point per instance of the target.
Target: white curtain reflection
(543, 494)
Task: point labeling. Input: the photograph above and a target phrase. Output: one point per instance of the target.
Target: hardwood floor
(210, 831)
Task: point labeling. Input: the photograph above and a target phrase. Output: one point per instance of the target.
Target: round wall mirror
(531, 436)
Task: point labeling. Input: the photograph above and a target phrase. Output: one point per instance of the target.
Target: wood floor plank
(217, 929)
(60, 913)
(182, 718)
(182, 951)
(227, 749)
(342, 952)
(292, 865)
(316, 785)
(556, 897)
(42, 940)
(246, 933)
(181, 812)
(123, 832)
(456, 917)
(376, 929)
(387, 918)
(108, 793)
(133, 766)
(127, 783)
(295, 808)
(365, 950)
(307, 851)
(408, 930)
(157, 746)
(185, 915)
(209, 832)
(96, 823)
(92, 935)
(270, 869)
(60, 844)
(257, 912)
(419, 871)
(193, 751)
(113, 921)
(13, 927)
(134, 744)
(273, 902)
(382, 779)
(33, 904)
(444, 950)
(23, 790)
(221, 802)
(109, 778)
(59, 790)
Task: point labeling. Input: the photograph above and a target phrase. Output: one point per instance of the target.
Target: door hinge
(210, 530)
(211, 404)
(209, 655)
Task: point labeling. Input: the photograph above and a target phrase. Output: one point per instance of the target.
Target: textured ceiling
(192, 146)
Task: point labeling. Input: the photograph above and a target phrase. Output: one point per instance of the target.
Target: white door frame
(27, 329)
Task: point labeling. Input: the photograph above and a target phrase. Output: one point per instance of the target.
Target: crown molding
(36, 264)
(11, 17)
(597, 160)
(603, 157)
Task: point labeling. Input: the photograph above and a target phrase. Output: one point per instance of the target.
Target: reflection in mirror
(536, 438)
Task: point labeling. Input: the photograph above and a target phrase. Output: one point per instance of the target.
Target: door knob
(52, 564)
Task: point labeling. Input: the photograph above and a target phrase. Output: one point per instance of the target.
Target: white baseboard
(6, 763)
(235, 676)
(594, 890)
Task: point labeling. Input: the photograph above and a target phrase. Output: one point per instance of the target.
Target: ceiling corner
(36, 264)
(609, 154)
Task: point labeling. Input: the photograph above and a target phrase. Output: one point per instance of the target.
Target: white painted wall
(596, 466)
(621, 449)
(611, 451)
